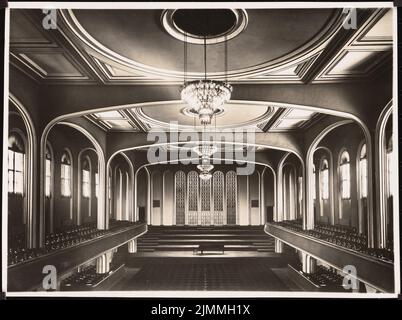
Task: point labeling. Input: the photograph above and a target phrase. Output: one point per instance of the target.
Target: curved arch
(131, 213)
(31, 171)
(309, 161)
(201, 142)
(278, 212)
(380, 173)
(191, 159)
(148, 190)
(65, 117)
(102, 221)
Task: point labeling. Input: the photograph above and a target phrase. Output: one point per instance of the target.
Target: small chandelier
(206, 97)
(205, 165)
(205, 150)
(205, 175)
(205, 169)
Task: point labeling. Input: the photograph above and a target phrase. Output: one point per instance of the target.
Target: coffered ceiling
(133, 47)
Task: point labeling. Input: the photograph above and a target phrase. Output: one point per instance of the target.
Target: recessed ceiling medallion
(216, 25)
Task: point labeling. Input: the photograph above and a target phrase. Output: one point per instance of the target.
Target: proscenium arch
(101, 201)
(31, 174)
(58, 119)
(145, 167)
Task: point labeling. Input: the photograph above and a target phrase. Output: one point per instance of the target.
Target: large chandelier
(206, 97)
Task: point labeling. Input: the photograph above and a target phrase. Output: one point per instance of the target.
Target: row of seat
(343, 236)
(325, 278)
(71, 236)
(85, 279)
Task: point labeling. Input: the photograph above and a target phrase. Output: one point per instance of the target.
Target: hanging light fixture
(205, 168)
(206, 97)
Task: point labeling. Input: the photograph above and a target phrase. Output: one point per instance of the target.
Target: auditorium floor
(206, 273)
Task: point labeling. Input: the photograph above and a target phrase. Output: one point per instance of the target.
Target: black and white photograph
(200, 149)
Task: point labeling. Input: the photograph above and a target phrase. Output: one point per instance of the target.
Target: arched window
(109, 192)
(66, 175)
(344, 170)
(48, 172)
(324, 180)
(390, 177)
(314, 185)
(363, 171)
(16, 160)
(86, 178)
(96, 183)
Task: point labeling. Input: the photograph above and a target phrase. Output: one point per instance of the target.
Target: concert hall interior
(294, 188)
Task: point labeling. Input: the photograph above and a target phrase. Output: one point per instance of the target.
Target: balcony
(28, 276)
(376, 272)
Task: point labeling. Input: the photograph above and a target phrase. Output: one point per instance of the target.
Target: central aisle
(206, 273)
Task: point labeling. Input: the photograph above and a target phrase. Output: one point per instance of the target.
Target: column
(103, 263)
(103, 203)
(278, 246)
(309, 263)
(132, 246)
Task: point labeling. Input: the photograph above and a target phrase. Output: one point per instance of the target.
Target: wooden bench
(209, 247)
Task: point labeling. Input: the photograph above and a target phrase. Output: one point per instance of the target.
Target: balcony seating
(343, 236)
(18, 253)
(324, 278)
(86, 278)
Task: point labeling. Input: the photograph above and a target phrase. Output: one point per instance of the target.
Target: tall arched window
(363, 171)
(344, 171)
(16, 161)
(324, 180)
(86, 178)
(314, 184)
(48, 172)
(96, 182)
(66, 173)
(109, 191)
